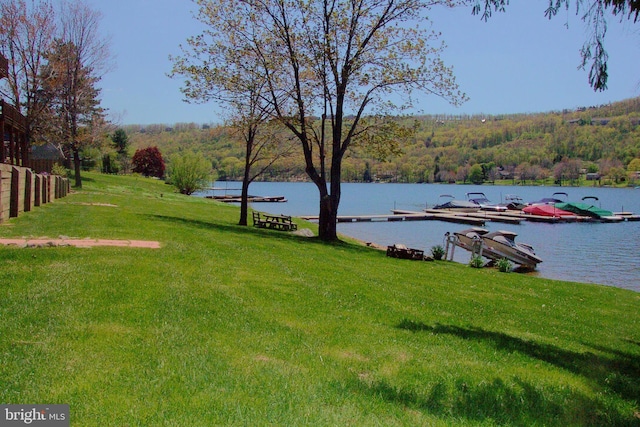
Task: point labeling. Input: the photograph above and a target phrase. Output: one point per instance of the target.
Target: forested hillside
(562, 146)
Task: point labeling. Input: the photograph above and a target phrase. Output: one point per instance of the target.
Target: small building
(593, 176)
(43, 157)
(506, 174)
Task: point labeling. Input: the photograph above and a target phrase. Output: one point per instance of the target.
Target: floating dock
(485, 215)
(400, 215)
(478, 218)
(250, 199)
(515, 217)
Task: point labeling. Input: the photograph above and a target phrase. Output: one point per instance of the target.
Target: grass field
(230, 325)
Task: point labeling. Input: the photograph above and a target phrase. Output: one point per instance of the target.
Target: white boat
(497, 245)
(502, 244)
(456, 205)
(555, 198)
(483, 203)
(513, 202)
(471, 238)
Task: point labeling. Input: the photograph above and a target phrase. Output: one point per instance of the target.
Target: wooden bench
(274, 222)
(257, 221)
(402, 252)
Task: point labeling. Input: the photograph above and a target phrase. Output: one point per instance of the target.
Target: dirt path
(80, 243)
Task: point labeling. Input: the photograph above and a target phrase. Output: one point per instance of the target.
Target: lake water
(601, 253)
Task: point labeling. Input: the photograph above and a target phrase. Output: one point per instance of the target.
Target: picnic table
(275, 222)
(403, 252)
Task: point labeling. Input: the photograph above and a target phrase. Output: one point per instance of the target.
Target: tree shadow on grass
(633, 342)
(253, 231)
(616, 371)
(515, 403)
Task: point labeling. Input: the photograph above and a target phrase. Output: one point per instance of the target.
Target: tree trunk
(246, 179)
(329, 202)
(327, 230)
(244, 203)
(76, 166)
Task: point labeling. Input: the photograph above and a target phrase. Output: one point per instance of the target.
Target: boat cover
(457, 204)
(547, 210)
(547, 201)
(584, 209)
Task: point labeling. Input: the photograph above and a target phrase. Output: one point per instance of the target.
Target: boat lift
(452, 241)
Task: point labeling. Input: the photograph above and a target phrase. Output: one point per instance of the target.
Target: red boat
(547, 210)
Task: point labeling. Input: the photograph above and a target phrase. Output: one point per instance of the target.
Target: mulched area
(80, 243)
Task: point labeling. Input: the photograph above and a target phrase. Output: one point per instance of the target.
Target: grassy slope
(232, 325)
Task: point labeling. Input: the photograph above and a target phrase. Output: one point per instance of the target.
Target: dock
(485, 215)
(628, 216)
(515, 217)
(441, 215)
(250, 199)
(402, 215)
(478, 218)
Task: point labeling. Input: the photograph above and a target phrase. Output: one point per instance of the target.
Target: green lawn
(230, 325)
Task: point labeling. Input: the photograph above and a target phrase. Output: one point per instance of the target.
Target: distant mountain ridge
(601, 140)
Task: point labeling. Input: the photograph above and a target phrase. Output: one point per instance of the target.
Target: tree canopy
(26, 36)
(148, 162)
(334, 71)
(56, 58)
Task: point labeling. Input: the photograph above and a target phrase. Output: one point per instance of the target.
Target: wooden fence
(21, 190)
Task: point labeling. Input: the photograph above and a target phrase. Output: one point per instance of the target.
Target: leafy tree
(26, 35)
(366, 176)
(229, 72)
(475, 174)
(189, 172)
(120, 141)
(149, 162)
(593, 14)
(634, 165)
(110, 163)
(118, 161)
(633, 169)
(462, 174)
(329, 69)
(70, 79)
(617, 174)
(486, 170)
(567, 169)
(74, 100)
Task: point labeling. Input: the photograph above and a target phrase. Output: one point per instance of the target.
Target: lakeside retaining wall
(21, 190)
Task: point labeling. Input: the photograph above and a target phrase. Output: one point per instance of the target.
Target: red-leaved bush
(148, 161)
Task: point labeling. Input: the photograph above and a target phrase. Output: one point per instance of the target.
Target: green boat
(585, 209)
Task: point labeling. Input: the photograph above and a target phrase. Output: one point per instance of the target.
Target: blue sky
(517, 62)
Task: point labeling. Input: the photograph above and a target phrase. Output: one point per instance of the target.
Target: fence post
(28, 190)
(1, 191)
(37, 200)
(50, 189)
(15, 193)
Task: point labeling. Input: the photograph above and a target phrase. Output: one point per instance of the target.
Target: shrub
(110, 163)
(189, 172)
(58, 169)
(476, 262)
(437, 252)
(148, 162)
(504, 265)
(91, 159)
